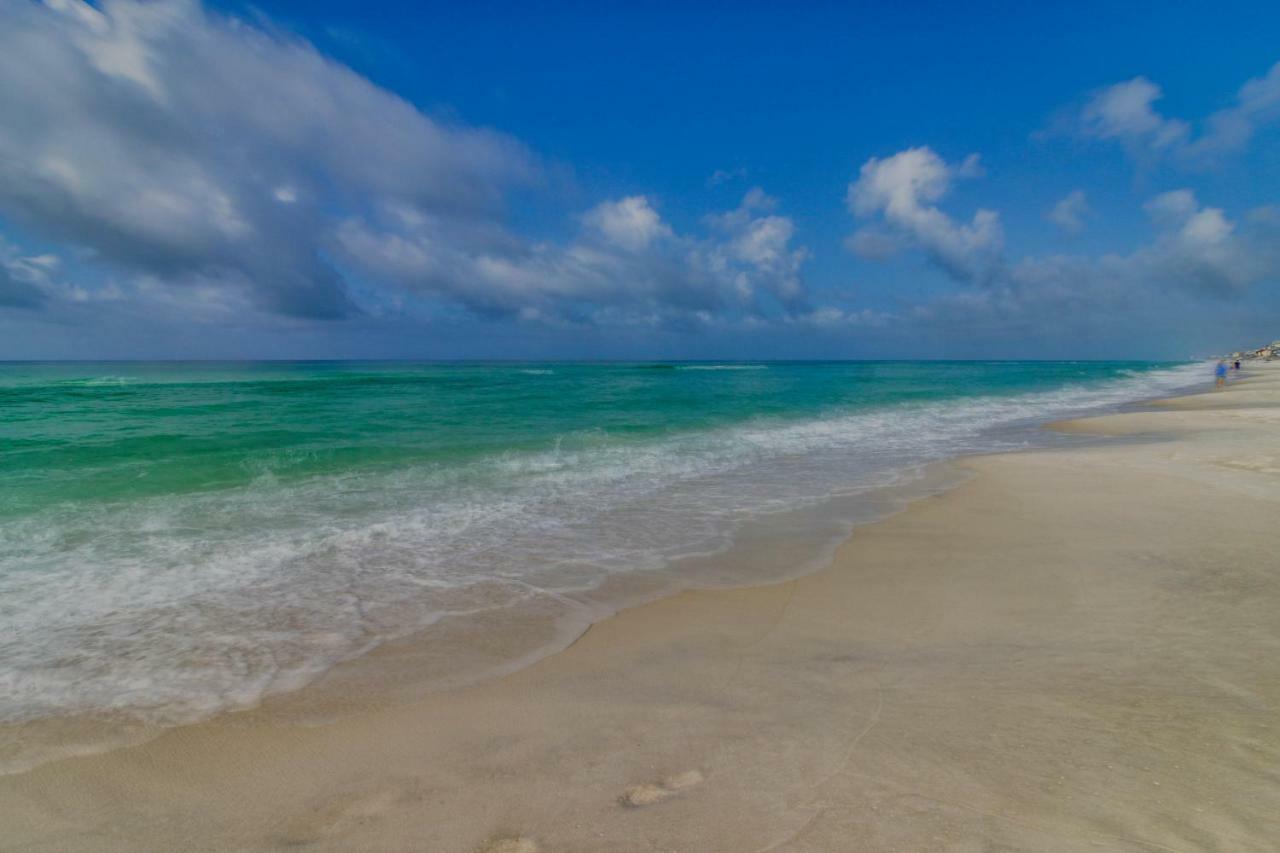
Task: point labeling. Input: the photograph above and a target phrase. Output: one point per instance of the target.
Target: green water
(116, 432)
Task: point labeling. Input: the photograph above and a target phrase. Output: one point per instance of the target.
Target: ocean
(179, 539)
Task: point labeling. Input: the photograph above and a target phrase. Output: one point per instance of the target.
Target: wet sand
(1074, 649)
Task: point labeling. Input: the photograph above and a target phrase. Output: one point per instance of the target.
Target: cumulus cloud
(630, 223)
(1257, 104)
(1070, 211)
(1200, 248)
(900, 195)
(1196, 252)
(755, 249)
(624, 258)
(1126, 112)
(178, 144)
(225, 167)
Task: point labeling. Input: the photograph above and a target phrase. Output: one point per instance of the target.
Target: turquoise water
(180, 538)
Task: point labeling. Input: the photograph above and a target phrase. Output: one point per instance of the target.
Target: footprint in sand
(510, 845)
(343, 814)
(646, 795)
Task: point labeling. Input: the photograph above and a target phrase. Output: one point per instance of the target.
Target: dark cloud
(24, 281)
(18, 294)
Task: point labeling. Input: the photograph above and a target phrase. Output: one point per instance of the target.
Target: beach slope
(1074, 649)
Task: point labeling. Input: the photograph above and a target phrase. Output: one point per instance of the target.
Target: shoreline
(409, 667)
(148, 614)
(616, 716)
(466, 648)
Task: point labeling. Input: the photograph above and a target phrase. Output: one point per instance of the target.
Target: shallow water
(179, 539)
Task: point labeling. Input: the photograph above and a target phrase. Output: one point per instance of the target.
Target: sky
(648, 180)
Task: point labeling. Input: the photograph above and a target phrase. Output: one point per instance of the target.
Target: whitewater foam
(722, 367)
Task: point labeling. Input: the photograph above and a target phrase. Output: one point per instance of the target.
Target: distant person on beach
(1220, 372)
(1237, 364)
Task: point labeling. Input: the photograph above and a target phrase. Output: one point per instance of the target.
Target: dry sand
(1074, 650)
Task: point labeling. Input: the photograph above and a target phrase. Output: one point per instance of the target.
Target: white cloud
(724, 176)
(630, 223)
(1181, 216)
(626, 263)
(1070, 211)
(1257, 104)
(182, 145)
(1126, 113)
(1196, 251)
(874, 244)
(758, 242)
(1171, 208)
(117, 41)
(1200, 248)
(190, 151)
(901, 192)
(834, 318)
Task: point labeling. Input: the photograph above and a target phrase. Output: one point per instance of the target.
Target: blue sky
(637, 180)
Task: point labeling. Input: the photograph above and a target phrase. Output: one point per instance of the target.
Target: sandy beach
(1074, 649)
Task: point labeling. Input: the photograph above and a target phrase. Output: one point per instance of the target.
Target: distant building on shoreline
(1263, 353)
